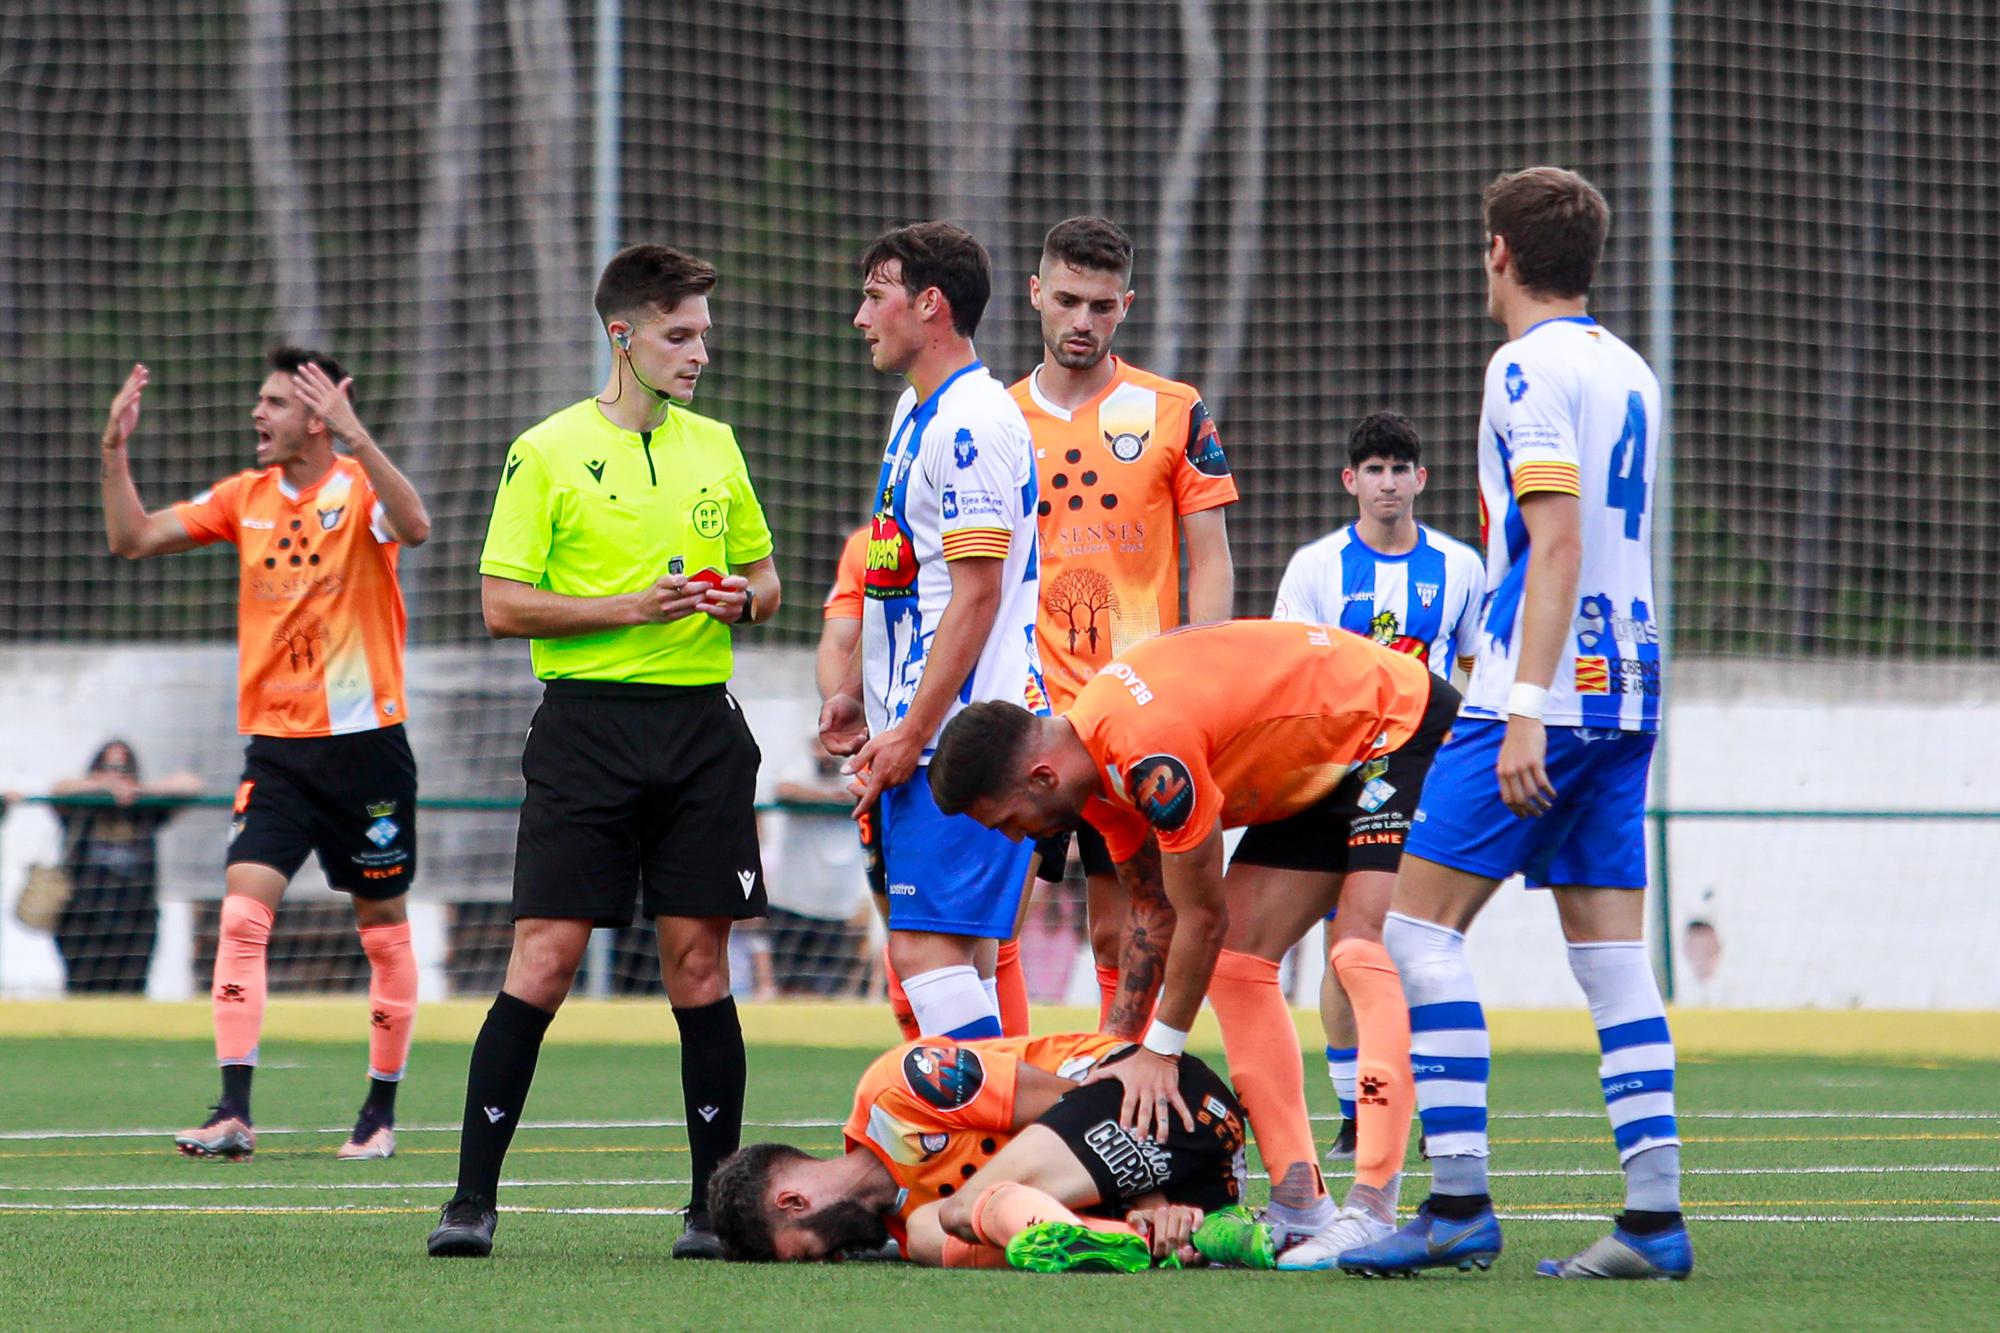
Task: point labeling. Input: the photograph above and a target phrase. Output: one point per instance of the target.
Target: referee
(625, 542)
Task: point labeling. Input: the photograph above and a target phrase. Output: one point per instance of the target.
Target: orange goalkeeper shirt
(844, 598)
(933, 1111)
(319, 614)
(1247, 722)
(1115, 477)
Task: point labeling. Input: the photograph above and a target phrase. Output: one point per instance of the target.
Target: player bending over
(972, 1155)
(328, 770)
(1318, 739)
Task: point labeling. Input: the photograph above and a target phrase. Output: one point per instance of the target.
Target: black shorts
(646, 788)
(1361, 823)
(872, 860)
(351, 800)
(1090, 849)
(1203, 1168)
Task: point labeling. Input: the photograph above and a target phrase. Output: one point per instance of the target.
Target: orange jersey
(1247, 722)
(844, 598)
(933, 1111)
(1115, 476)
(319, 618)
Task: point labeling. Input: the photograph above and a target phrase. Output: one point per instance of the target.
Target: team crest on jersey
(1517, 383)
(707, 518)
(948, 503)
(1162, 790)
(963, 450)
(380, 809)
(1126, 446)
(947, 1077)
(329, 519)
(1426, 594)
(933, 1144)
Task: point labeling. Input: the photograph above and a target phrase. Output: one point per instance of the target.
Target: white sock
(951, 1002)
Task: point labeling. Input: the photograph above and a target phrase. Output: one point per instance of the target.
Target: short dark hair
(1095, 245)
(979, 754)
(1555, 222)
(736, 1193)
(1384, 435)
(289, 358)
(650, 275)
(937, 254)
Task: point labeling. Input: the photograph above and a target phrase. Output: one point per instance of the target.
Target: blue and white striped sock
(1449, 1049)
(1340, 1068)
(951, 1002)
(1637, 1069)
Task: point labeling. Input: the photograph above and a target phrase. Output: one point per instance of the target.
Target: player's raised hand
(328, 401)
(1521, 769)
(843, 725)
(669, 599)
(124, 417)
(1152, 1090)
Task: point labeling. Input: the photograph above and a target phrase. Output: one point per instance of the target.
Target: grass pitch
(1823, 1193)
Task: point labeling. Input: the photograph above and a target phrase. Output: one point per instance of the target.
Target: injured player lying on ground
(992, 1154)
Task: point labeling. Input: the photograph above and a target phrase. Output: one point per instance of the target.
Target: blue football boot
(1661, 1256)
(1428, 1241)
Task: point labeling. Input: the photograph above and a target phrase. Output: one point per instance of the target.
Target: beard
(1068, 360)
(846, 1226)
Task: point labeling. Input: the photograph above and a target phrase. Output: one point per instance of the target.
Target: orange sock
(1009, 1208)
(240, 949)
(1013, 988)
(964, 1254)
(392, 998)
(899, 1003)
(1268, 1069)
(1107, 991)
(1385, 1089)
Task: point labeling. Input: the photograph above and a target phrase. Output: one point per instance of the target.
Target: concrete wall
(1883, 914)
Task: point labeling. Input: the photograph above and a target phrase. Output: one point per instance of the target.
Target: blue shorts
(1594, 837)
(948, 873)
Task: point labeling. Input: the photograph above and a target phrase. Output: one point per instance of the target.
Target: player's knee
(382, 911)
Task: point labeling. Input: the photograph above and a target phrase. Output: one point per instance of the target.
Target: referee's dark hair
(1384, 435)
(736, 1200)
(289, 358)
(650, 275)
(979, 754)
(1091, 245)
(937, 254)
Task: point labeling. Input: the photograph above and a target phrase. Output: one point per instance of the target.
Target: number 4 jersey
(1570, 408)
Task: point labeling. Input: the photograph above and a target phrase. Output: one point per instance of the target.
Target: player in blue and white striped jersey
(1545, 772)
(1401, 583)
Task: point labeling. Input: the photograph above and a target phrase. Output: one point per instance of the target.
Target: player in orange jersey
(328, 769)
(955, 1148)
(1130, 467)
(1319, 740)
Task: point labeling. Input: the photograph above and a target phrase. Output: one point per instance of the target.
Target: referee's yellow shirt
(588, 509)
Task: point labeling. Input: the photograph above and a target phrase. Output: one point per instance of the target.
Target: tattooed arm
(1142, 953)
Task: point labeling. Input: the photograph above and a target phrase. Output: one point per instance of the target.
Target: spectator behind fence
(111, 853)
(817, 883)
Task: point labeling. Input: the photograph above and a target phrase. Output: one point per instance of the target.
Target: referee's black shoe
(465, 1228)
(698, 1239)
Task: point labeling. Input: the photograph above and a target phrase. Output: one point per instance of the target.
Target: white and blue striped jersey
(957, 481)
(1424, 602)
(1571, 408)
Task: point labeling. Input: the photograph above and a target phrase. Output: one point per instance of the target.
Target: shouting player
(1403, 584)
(1319, 740)
(1129, 466)
(328, 770)
(1546, 773)
(949, 615)
(972, 1155)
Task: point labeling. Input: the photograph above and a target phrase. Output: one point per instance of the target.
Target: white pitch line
(1594, 1113)
(1705, 1218)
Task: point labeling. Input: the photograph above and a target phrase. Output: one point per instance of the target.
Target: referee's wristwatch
(749, 616)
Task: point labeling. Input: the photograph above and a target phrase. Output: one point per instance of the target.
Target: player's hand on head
(328, 401)
(1152, 1093)
(124, 415)
(1521, 768)
(843, 725)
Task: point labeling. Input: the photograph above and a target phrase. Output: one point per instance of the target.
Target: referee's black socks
(496, 1088)
(712, 1078)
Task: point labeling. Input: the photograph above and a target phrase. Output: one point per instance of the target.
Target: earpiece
(624, 341)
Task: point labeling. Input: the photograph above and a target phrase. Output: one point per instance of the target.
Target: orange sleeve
(1124, 832)
(1158, 763)
(843, 600)
(212, 516)
(939, 1081)
(1201, 477)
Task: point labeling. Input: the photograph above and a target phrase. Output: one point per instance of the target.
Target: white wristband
(1526, 700)
(1164, 1040)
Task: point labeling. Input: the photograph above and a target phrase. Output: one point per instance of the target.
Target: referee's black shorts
(650, 788)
